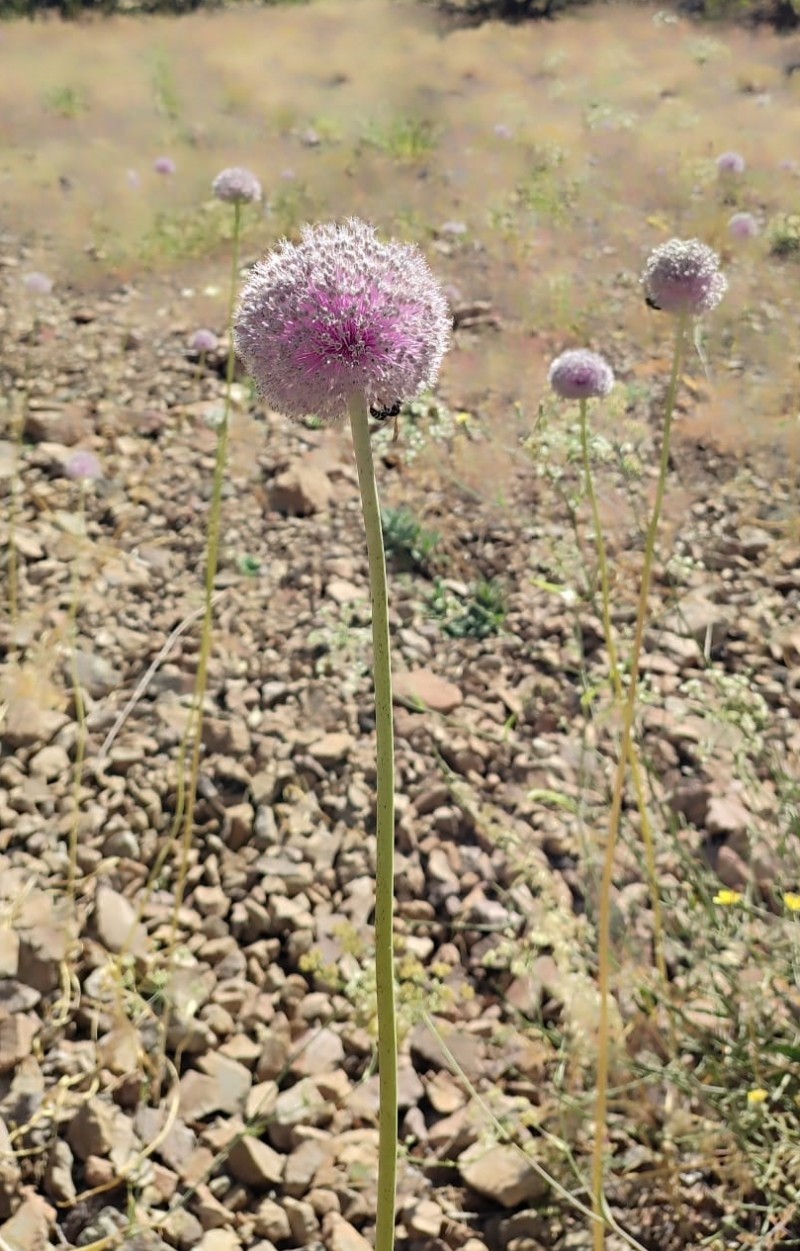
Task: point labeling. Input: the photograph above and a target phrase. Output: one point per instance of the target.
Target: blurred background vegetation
(781, 15)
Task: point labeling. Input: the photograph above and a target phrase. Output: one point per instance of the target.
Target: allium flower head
(743, 226)
(37, 284)
(203, 341)
(731, 163)
(164, 165)
(683, 276)
(237, 186)
(83, 466)
(339, 314)
(580, 375)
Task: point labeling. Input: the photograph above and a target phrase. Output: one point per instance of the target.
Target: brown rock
(339, 1235)
(114, 922)
(58, 1181)
(302, 1220)
(67, 424)
(332, 749)
(101, 1129)
(422, 687)
(272, 1222)
(303, 1164)
(502, 1174)
(228, 736)
(300, 490)
(424, 1219)
(318, 1051)
(29, 1228)
(219, 1240)
(254, 1162)
(16, 1035)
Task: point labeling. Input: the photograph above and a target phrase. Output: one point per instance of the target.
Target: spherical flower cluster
(683, 277)
(581, 375)
(743, 226)
(203, 341)
(731, 163)
(83, 466)
(37, 284)
(164, 165)
(237, 186)
(338, 315)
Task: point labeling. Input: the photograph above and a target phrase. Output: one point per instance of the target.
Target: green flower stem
(616, 682)
(80, 706)
(384, 876)
(212, 560)
(606, 885)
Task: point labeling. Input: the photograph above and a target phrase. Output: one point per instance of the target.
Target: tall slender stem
(384, 875)
(606, 885)
(80, 705)
(616, 682)
(212, 561)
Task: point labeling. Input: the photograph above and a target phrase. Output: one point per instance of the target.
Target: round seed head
(581, 375)
(83, 466)
(731, 163)
(203, 341)
(340, 314)
(683, 276)
(37, 284)
(164, 165)
(237, 186)
(743, 226)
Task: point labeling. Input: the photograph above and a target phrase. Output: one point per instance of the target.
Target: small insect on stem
(387, 413)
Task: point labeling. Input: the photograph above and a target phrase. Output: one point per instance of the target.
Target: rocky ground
(214, 1088)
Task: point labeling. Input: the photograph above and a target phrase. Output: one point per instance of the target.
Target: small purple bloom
(37, 284)
(338, 315)
(164, 165)
(453, 228)
(683, 276)
(203, 341)
(581, 375)
(237, 186)
(731, 163)
(743, 226)
(83, 466)
(133, 179)
(502, 131)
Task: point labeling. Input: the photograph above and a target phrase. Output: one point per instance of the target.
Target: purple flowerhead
(580, 375)
(341, 314)
(83, 466)
(731, 163)
(743, 226)
(203, 341)
(164, 165)
(683, 277)
(237, 186)
(37, 284)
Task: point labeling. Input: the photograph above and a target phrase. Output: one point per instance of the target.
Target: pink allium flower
(341, 314)
(743, 226)
(683, 276)
(164, 165)
(503, 131)
(83, 466)
(203, 341)
(731, 163)
(37, 284)
(133, 179)
(580, 375)
(237, 186)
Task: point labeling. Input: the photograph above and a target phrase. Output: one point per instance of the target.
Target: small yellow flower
(758, 1095)
(463, 418)
(728, 897)
(792, 901)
